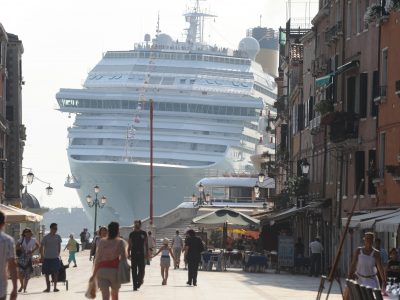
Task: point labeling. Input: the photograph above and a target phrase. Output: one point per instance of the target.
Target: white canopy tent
(367, 224)
(357, 220)
(388, 225)
(18, 215)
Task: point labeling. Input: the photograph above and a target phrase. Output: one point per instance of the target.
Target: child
(165, 261)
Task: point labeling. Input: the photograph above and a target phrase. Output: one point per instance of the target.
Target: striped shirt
(7, 251)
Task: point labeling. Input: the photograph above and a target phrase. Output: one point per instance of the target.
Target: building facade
(3, 122)
(388, 99)
(16, 136)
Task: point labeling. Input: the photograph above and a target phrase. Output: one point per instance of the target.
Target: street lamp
(305, 167)
(96, 203)
(49, 190)
(261, 177)
(29, 177)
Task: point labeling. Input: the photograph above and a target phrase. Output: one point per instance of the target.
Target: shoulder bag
(124, 270)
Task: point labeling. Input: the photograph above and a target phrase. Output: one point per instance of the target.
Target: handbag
(124, 270)
(91, 289)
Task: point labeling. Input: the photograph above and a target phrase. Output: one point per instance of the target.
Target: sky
(64, 39)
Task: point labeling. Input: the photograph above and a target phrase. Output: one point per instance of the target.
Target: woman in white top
(165, 261)
(26, 246)
(366, 263)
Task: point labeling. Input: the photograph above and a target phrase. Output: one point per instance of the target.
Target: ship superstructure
(207, 103)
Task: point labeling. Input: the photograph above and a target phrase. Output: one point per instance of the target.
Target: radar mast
(196, 17)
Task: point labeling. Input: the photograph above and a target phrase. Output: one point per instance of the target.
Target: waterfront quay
(234, 283)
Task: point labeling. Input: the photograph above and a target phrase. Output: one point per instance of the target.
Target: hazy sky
(64, 39)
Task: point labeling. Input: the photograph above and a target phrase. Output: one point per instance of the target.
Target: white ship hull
(126, 186)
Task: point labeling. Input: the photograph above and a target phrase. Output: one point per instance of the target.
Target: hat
(165, 241)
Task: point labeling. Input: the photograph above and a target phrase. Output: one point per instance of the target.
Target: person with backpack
(72, 247)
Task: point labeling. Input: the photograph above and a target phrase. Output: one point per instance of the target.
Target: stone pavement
(233, 283)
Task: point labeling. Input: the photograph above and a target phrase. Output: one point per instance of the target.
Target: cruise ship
(207, 102)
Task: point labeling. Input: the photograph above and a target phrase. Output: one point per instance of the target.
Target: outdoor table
(255, 263)
(233, 258)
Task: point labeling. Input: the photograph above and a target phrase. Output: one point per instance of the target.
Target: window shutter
(363, 94)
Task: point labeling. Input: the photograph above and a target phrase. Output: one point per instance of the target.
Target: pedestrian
(87, 237)
(151, 244)
(26, 246)
(138, 252)
(72, 247)
(177, 246)
(367, 263)
(393, 266)
(103, 232)
(316, 250)
(110, 251)
(50, 249)
(83, 238)
(382, 252)
(165, 261)
(8, 265)
(193, 248)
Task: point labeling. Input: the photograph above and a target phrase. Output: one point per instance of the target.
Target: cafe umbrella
(226, 217)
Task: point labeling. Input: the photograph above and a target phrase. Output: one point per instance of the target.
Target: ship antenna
(158, 25)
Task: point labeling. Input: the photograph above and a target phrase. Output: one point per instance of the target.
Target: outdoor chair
(363, 289)
(357, 289)
(354, 292)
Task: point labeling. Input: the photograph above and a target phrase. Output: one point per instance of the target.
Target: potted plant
(324, 107)
(373, 13)
(392, 5)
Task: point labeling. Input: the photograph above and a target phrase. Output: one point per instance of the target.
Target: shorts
(51, 266)
(108, 277)
(165, 262)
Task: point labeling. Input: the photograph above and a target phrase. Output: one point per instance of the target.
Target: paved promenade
(234, 284)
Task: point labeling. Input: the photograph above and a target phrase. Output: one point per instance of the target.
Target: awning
(388, 225)
(356, 220)
(286, 213)
(324, 80)
(18, 215)
(347, 66)
(371, 222)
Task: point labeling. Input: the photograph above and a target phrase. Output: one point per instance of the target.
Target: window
(348, 20)
(351, 94)
(365, 10)
(375, 93)
(359, 171)
(300, 117)
(310, 108)
(384, 68)
(363, 94)
(358, 17)
(382, 141)
(371, 166)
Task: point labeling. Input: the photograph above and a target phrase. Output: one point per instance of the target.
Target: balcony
(343, 126)
(397, 85)
(381, 98)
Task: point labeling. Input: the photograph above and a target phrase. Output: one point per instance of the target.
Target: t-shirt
(393, 269)
(71, 245)
(177, 242)
(137, 241)
(7, 250)
(52, 245)
(316, 247)
(195, 247)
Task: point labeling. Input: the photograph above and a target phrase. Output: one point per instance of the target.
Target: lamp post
(96, 203)
(305, 168)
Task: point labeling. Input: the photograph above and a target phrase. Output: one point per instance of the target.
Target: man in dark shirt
(138, 251)
(193, 248)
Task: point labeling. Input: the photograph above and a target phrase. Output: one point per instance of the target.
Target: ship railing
(199, 201)
(72, 182)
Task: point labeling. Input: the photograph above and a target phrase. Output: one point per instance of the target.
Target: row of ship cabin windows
(179, 56)
(145, 144)
(161, 106)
